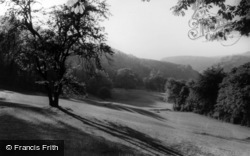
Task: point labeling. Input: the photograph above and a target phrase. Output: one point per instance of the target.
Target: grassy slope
(133, 121)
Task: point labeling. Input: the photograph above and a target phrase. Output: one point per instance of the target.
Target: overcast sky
(150, 30)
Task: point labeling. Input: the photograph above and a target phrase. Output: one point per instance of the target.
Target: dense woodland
(121, 71)
(129, 72)
(221, 95)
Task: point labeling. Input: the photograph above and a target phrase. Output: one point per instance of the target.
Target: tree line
(101, 83)
(224, 96)
(83, 79)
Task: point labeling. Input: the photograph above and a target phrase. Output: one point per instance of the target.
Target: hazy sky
(150, 30)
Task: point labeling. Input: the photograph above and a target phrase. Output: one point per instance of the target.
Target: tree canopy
(125, 78)
(234, 96)
(207, 87)
(215, 19)
(227, 19)
(155, 81)
(177, 93)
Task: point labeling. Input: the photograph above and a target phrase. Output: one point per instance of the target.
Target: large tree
(206, 90)
(48, 37)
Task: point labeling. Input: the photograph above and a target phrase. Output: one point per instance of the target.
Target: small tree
(177, 93)
(47, 38)
(192, 100)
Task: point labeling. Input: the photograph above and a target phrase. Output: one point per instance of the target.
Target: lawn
(134, 122)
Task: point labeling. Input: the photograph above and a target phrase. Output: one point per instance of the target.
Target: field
(134, 122)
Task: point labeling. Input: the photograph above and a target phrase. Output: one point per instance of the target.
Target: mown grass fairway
(132, 123)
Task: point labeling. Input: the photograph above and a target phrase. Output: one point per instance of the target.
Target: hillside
(229, 62)
(143, 67)
(200, 63)
(119, 127)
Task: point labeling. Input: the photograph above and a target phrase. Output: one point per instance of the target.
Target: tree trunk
(53, 99)
(53, 95)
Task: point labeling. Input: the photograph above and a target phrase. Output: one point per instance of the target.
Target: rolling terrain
(229, 62)
(143, 67)
(200, 63)
(135, 122)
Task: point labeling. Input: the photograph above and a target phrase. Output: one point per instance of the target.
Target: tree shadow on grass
(127, 134)
(76, 141)
(113, 106)
(137, 97)
(13, 128)
(246, 140)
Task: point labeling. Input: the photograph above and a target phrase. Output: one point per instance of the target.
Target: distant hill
(143, 67)
(229, 62)
(198, 63)
(246, 53)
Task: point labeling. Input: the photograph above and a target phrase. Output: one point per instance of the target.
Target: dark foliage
(219, 95)
(14, 78)
(199, 96)
(125, 78)
(238, 16)
(98, 84)
(155, 82)
(206, 89)
(234, 96)
(177, 93)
